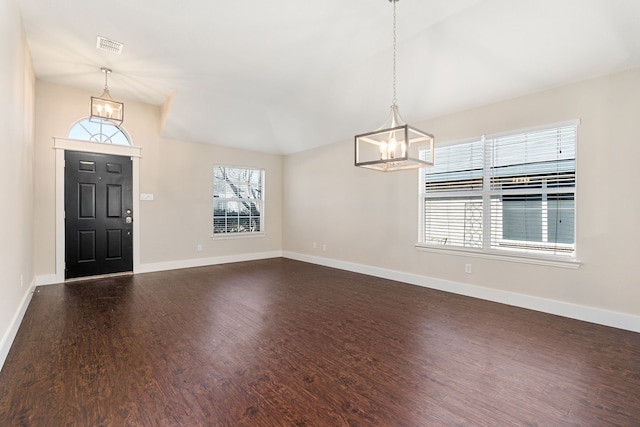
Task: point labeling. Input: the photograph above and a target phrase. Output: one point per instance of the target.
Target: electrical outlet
(467, 268)
(324, 247)
(199, 248)
(315, 245)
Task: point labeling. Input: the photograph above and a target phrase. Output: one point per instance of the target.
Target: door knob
(128, 220)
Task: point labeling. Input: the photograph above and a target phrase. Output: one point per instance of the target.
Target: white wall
(178, 173)
(16, 182)
(369, 220)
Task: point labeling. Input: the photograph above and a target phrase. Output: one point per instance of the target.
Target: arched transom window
(104, 132)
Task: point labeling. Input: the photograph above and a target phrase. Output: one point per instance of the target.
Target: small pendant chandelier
(395, 145)
(104, 108)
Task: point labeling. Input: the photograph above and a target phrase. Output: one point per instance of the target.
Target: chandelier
(104, 108)
(395, 145)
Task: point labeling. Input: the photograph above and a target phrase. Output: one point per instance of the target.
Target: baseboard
(51, 279)
(588, 314)
(12, 331)
(201, 262)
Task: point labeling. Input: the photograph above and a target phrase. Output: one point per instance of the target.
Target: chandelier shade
(395, 145)
(104, 108)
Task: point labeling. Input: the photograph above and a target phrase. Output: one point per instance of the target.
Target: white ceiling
(286, 76)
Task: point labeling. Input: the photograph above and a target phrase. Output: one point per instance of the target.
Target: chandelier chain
(106, 72)
(394, 51)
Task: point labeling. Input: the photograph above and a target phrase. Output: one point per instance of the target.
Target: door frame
(60, 145)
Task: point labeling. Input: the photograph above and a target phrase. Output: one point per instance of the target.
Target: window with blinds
(238, 200)
(512, 192)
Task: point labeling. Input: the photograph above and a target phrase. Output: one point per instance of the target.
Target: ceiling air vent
(109, 45)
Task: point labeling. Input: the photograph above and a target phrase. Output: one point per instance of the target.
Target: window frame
(259, 201)
(486, 193)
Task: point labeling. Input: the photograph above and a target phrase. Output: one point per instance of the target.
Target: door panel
(87, 202)
(114, 201)
(114, 244)
(86, 245)
(98, 199)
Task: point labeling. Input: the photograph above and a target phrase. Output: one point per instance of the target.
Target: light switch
(146, 196)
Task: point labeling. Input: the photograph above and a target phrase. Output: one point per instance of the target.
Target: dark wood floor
(284, 343)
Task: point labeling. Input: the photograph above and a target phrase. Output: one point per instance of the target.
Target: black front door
(98, 204)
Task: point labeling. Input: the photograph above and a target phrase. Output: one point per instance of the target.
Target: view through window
(238, 200)
(104, 132)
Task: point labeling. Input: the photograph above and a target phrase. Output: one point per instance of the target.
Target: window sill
(544, 261)
(231, 236)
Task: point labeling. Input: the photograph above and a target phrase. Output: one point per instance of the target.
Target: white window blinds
(453, 186)
(512, 192)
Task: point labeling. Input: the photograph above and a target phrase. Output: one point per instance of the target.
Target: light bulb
(383, 151)
(392, 148)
